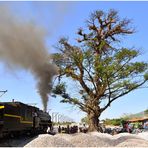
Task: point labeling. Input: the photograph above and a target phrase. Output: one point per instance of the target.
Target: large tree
(103, 68)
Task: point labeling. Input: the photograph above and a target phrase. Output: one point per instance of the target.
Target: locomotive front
(17, 117)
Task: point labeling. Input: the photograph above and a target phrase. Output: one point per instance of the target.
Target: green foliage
(59, 89)
(115, 122)
(125, 54)
(146, 112)
(146, 76)
(85, 120)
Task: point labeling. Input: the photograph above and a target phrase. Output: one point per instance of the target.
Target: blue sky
(63, 19)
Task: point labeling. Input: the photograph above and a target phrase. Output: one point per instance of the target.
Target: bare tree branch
(126, 92)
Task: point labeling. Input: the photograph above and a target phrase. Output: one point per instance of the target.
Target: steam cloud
(22, 46)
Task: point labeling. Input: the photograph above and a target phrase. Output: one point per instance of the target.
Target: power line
(3, 92)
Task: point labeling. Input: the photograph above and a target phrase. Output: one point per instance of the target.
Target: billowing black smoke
(22, 46)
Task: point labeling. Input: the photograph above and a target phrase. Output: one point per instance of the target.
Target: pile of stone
(46, 140)
(93, 139)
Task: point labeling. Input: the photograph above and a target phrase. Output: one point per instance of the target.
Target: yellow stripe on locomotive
(1, 107)
(15, 116)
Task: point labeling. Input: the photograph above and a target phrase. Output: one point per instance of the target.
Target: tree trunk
(93, 122)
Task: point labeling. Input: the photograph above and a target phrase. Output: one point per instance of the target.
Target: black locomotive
(17, 117)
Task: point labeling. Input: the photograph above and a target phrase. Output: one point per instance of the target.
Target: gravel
(93, 139)
(143, 135)
(86, 140)
(133, 143)
(46, 140)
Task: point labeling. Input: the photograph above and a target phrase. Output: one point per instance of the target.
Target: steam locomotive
(17, 117)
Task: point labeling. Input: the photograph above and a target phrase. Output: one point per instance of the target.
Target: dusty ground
(93, 139)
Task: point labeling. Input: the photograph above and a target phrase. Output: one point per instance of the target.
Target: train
(18, 118)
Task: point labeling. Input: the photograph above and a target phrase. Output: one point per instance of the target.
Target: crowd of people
(125, 127)
(128, 127)
(72, 129)
(68, 129)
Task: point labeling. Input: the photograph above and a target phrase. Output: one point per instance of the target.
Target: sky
(63, 19)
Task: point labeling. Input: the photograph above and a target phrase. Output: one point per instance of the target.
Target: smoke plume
(22, 46)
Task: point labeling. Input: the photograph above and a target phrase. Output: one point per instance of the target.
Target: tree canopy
(103, 68)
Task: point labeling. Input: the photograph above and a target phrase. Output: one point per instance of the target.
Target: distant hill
(137, 115)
